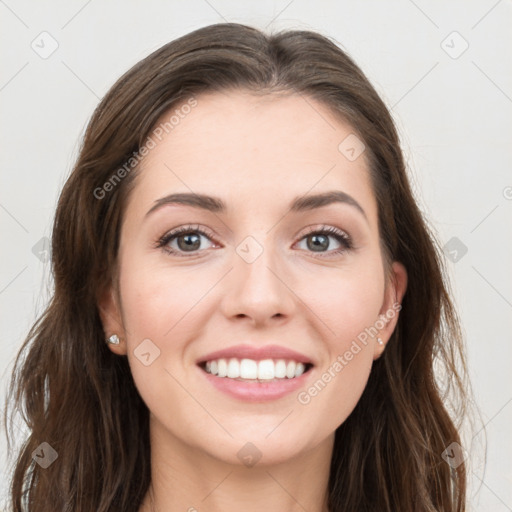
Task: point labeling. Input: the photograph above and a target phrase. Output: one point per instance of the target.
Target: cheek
(346, 305)
(154, 307)
(156, 300)
(158, 305)
(347, 301)
(337, 388)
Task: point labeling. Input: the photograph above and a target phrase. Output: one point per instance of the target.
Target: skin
(256, 154)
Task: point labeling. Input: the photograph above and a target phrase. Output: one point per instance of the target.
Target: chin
(261, 451)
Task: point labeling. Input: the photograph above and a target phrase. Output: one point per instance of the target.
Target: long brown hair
(80, 398)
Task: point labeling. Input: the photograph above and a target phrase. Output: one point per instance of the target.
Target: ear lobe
(111, 319)
(395, 291)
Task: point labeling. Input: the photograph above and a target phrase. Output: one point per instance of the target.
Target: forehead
(280, 126)
(245, 147)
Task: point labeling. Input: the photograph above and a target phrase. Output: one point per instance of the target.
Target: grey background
(453, 109)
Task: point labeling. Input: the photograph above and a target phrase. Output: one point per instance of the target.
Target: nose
(258, 290)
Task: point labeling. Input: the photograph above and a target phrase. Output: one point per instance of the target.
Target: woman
(248, 304)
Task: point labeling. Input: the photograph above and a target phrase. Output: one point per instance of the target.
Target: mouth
(256, 381)
(255, 371)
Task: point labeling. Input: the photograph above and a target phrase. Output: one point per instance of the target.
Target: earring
(114, 339)
(380, 341)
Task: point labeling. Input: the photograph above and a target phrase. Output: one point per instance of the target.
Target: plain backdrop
(443, 68)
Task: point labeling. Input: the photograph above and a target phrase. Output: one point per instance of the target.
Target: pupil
(323, 244)
(188, 243)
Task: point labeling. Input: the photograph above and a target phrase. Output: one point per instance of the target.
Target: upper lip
(256, 353)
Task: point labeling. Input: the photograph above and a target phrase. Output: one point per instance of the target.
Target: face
(258, 273)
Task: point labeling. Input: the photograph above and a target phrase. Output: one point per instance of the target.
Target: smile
(256, 389)
(256, 371)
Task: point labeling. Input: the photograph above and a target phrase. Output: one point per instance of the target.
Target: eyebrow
(217, 205)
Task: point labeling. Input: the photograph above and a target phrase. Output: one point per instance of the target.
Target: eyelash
(340, 236)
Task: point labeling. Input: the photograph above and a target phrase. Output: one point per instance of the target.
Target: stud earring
(380, 341)
(114, 339)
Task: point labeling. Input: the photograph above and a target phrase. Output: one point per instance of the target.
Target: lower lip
(257, 391)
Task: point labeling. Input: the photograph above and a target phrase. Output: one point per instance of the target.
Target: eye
(185, 239)
(317, 240)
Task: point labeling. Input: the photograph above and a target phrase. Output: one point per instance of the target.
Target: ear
(391, 306)
(111, 319)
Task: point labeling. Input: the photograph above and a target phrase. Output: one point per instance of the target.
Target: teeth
(248, 369)
(290, 369)
(266, 369)
(280, 369)
(233, 369)
(223, 368)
